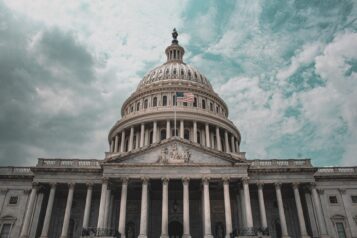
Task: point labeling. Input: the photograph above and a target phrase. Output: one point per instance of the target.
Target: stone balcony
(15, 171)
(336, 172)
(274, 163)
(68, 163)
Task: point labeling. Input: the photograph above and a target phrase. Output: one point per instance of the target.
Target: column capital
(165, 180)
(71, 185)
(245, 180)
(53, 184)
(277, 185)
(342, 190)
(124, 180)
(35, 185)
(313, 185)
(145, 180)
(226, 180)
(205, 180)
(320, 191)
(105, 180)
(185, 180)
(296, 185)
(3, 190)
(89, 185)
(260, 185)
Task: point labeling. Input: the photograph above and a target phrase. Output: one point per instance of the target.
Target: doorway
(175, 229)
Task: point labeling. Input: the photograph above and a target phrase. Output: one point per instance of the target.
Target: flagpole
(175, 104)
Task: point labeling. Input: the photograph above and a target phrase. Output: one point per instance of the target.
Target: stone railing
(16, 171)
(325, 171)
(67, 163)
(297, 163)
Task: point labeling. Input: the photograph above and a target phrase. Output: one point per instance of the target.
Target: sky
(286, 69)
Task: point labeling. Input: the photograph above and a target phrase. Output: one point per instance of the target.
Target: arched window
(174, 103)
(182, 72)
(164, 100)
(174, 71)
(195, 102)
(134, 142)
(131, 108)
(163, 134)
(198, 134)
(185, 104)
(211, 106)
(173, 132)
(145, 103)
(154, 102)
(203, 104)
(138, 106)
(151, 137)
(217, 109)
(126, 144)
(186, 134)
(189, 74)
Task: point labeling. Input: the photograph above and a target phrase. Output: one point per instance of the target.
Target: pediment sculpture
(173, 154)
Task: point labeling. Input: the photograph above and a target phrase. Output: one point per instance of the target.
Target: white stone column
(186, 208)
(29, 211)
(233, 144)
(248, 207)
(165, 209)
(144, 209)
(67, 214)
(208, 142)
(263, 216)
(168, 129)
(226, 142)
(303, 232)
(87, 207)
(154, 131)
(102, 203)
(122, 143)
(46, 222)
(242, 207)
(207, 209)
(227, 207)
(137, 140)
(218, 139)
(195, 131)
(284, 228)
(112, 145)
(320, 216)
(131, 137)
(123, 200)
(146, 139)
(237, 146)
(107, 208)
(116, 142)
(142, 134)
(181, 129)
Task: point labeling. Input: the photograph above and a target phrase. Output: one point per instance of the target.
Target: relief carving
(174, 155)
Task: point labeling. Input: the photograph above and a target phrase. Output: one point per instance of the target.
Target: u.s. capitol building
(175, 169)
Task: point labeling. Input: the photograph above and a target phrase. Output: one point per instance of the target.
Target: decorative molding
(171, 154)
(260, 185)
(125, 180)
(165, 180)
(342, 190)
(226, 180)
(89, 185)
(278, 185)
(4, 190)
(185, 180)
(296, 185)
(320, 191)
(205, 180)
(245, 180)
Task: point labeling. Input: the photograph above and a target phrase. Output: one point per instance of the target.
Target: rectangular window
(340, 230)
(5, 231)
(333, 199)
(13, 200)
(354, 198)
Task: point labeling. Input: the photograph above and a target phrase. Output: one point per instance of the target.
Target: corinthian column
(102, 203)
(168, 129)
(226, 141)
(154, 132)
(116, 142)
(67, 214)
(29, 210)
(142, 133)
(233, 144)
(186, 208)
(248, 208)
(122, 143)
(208, 140)
(320, 216)
(207, 213)
(195, 131)
(165, 210)
(284, 229)
(88, 205)
(218, 139)
(181, 129)
(227, 207)
(144, 209)
(131, 138)
(263, 216)
(46, 222)
(123, 200)
(300, 212)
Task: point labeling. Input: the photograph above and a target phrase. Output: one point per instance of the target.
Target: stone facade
(174, 169)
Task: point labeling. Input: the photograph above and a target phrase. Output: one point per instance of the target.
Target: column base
(305, 236)
(164, 236)
(324, 236)
(208, 236)
(142, 236)
(186, 236)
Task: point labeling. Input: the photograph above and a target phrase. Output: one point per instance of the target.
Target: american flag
(185, 97)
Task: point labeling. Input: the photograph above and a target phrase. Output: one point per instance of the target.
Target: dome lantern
(174, 52)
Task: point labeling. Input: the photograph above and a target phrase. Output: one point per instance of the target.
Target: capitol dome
(153, 114)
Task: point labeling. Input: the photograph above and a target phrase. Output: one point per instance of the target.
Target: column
(29, 210)
(144, 209)
(320, 216)
(168, 129)
(226, 142)
(137, 140)
(263, 216)
(227, 207)
(218, 139)
(116, 141)
(142, 134)
(165, 210)
(181, 129)
(107, 208)
(122, 143)
(237, 146)
(207, 209)
(243, 207)
(102, 203)
(195, 131)
(233, 144)
(112, 146)
(186, 208)
(248, 208)
(88, 205)
(208, 143)
(303, 232)
(131, 137)
(67, 214)
(154, 131)
(213, 144)
(284, 229)
(46, 222)
(123, 200)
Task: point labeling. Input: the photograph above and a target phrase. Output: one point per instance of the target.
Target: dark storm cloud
(50, 61)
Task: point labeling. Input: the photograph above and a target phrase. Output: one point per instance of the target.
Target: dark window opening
(13, 200)
(354, 198)
(151, 137)
(185, 104)
(138, 106)
(163, 134)
(186, 134)
(174, 100)
(211, 106)
(198, 137)
(203, 104)
(145, 103)
(164, 100)
(340, 230)
(195, 102)
(173, 132)
(333, 199)
(154, 102)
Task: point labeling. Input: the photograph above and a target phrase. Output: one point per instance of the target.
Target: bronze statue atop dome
(174, 36)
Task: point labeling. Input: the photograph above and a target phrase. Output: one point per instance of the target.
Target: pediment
(175, 152)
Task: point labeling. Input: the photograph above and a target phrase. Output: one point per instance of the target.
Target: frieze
(172, 154)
